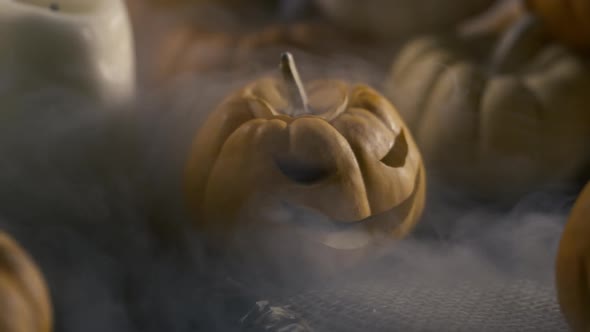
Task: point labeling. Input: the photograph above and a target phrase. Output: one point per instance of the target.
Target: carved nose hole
(301, 172)
(396, 157)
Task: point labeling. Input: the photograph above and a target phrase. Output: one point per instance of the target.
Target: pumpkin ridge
(363, 165)
(360, 161)
(406, 58)
(434, 46)
(421, 105)
(362, 101)
(205, 160)
(544, 61)
(20, 269)
(215, 160)
(535, 98)
(419, 59)
(337, 172)
(403, 209)
(423, 110)
(416, 65)
(571, 308)
(363, 159)
(340, 136)
(525, 119)
(363, 98)
(369, 115)
(18, 305)
(30, 285)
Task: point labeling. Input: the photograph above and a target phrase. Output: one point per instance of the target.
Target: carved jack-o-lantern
(336, 161)
(573, 263)
(24, 298)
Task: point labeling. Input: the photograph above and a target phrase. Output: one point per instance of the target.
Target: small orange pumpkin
(566, 20)
(24, 298)
(573, 263)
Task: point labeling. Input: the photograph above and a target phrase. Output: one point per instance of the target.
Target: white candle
(81, 45)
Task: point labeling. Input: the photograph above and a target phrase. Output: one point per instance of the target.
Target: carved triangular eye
(300, 172)
(396, 157)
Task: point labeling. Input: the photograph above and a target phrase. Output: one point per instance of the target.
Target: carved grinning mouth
(345, 234)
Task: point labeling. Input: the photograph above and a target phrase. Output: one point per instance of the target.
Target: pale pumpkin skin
(566, 20)
(573, 262)
(24, 298)
(496, 132)
(391, 19)
(353, 158)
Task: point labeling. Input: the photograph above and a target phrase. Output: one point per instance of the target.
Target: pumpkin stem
(294, 85)
(517, 44)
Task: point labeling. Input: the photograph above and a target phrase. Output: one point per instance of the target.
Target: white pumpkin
(84, 45)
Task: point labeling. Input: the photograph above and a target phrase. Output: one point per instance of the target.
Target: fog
(95, 195)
